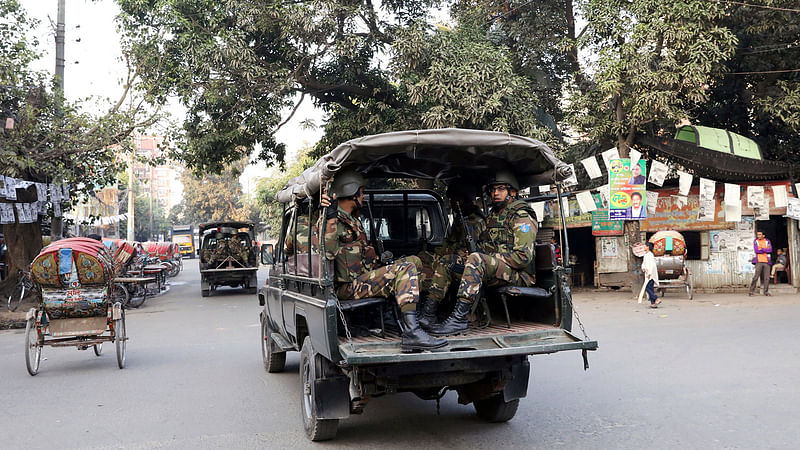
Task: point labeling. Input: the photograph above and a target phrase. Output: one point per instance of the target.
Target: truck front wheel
(496, 409)
(311, 369)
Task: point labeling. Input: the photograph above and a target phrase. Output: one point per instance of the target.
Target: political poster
(628, 195)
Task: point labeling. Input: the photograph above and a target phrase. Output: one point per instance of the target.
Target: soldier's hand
(332, 205)
(387, 257)
(326, 201)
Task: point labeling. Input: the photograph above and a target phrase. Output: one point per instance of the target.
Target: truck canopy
(442, 154)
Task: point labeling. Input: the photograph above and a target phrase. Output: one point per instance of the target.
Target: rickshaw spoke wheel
(33, 349)
(120, 339)
(98, 349)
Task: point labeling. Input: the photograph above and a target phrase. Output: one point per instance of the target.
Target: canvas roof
(442, 154)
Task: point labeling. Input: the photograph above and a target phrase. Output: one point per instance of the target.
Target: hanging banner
(626, 186)
(652, 202)
(6, 213)
(779, 195)
(601, 226)
(635, 155)
(11, 188)
(585, 202)
(679, 213)
(684, 183)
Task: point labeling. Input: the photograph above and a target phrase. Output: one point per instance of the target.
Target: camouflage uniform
(302, 235)
(454, 251)
(357, 271)
(506, 252)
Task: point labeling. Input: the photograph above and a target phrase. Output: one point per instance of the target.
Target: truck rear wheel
(274, 358)
(311, 369)
(495, 409)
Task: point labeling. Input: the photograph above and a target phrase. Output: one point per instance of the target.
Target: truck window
(390, 223)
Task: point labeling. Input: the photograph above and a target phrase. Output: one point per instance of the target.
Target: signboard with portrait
(626, 183)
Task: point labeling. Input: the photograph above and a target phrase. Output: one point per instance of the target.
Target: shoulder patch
(525, 228)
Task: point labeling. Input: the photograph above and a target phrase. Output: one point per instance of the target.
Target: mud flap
(332, 396)
(517, 387)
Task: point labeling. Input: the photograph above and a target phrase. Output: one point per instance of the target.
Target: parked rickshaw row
(85, 286)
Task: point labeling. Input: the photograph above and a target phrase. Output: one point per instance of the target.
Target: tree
(51, 140)
(237, 65)
(214, 197)
(654, 62)
(759, 93)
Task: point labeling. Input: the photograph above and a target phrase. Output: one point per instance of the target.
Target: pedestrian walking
(763, 261)
(650, 270)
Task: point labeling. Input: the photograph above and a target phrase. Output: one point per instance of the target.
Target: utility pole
(57, 224)
(131, 201)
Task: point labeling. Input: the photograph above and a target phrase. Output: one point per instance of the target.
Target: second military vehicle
(228, 256)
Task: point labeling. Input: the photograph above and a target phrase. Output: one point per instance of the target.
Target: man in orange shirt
(763, 259)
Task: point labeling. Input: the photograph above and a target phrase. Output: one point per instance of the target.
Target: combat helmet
(504, 177)
(346, 183)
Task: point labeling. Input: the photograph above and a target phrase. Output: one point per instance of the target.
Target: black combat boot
(456, 323)
(426, 313)
(415, 338)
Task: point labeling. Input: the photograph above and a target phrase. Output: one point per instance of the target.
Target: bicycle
(24, 286)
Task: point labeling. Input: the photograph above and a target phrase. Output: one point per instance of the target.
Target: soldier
(448, 261)
(302, 231)
(506, 252)
(357, 269)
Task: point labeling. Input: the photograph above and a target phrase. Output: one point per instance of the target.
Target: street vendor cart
(669, 248)
(76, 310)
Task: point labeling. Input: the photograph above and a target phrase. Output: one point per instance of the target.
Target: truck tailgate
(496, 340)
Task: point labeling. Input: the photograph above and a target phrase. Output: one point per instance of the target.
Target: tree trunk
(24, 240)
(631, 230)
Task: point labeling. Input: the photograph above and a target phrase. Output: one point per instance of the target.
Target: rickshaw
(669, 248)
(129, 287)
(77, 309)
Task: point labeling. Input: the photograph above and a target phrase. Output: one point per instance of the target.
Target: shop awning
(716, 164)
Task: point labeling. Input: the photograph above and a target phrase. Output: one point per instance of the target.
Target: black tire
(120, 338)
(494, 409)
(98, 349)
(205, 292)
(274, 358)
(138, 300)
(33, 348)
(311, 367)
(174, 270)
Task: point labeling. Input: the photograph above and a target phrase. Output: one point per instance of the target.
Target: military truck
(350, 350)
(228, 256)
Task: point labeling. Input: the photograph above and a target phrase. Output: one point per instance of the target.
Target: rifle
(470, 241)
(376, 241)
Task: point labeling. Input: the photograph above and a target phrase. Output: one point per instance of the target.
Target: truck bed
(495, 340)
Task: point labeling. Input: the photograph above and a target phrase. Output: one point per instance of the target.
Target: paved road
(718, 372)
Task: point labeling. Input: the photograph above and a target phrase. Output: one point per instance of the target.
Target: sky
(94, 68)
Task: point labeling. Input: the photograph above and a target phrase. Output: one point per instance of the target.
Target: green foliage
(270, 210)
(653, 61)
(214, 198)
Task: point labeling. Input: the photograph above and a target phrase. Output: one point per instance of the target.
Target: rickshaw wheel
(98, 349)
(119, 294)
(33, 349)
(120, 338)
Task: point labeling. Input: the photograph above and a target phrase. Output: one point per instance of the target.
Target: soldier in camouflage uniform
(357, 269)
(506, 252)
(302, 231)
(447, 262)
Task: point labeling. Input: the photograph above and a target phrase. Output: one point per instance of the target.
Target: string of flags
(756, 197)
(47, 194)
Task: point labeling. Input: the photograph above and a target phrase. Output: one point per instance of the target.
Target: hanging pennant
(658, 172)
(635, 155)
(684, 183)
(65, 192)
(56, 209)
(11, 188)
(6, 213)
(652, 202)
(544, 188)
(585, 202)
(605, 194)
(608, 155)
(592, 168)
(538, 208)
(572, 180)
(779, 194)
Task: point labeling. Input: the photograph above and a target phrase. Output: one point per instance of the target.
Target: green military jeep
(228, 256)
(350, 349)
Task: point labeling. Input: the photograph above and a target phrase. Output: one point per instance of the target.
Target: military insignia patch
(525, 228)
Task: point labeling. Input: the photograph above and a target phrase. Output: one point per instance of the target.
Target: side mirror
(266, 254)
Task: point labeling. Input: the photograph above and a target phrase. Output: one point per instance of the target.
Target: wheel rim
(98, 349)
(265, 347)
(120, 336)
(33, 352)
(306, 391)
